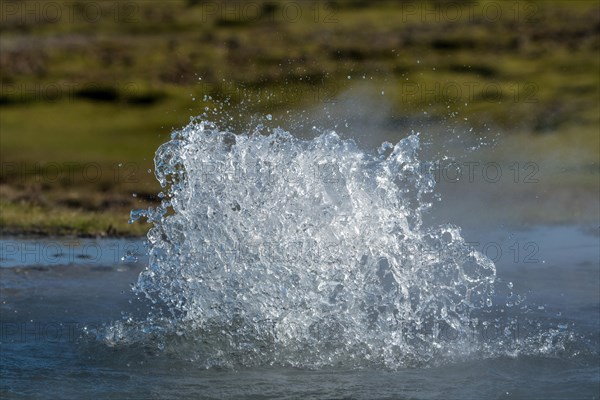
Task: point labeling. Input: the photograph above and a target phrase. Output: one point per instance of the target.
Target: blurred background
(507, 92)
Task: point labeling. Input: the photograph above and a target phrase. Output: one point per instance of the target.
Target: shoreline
(589, 228)
(44, 234)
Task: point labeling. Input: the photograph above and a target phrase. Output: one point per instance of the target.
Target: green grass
(99, 132)
(109, 92)
(27, 218)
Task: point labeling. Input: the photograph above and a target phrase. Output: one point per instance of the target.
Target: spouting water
(271, 249)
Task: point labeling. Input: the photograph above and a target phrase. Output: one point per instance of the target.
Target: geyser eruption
(269, 248)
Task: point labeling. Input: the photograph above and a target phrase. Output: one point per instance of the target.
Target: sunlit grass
(29, 218)
(125, 84)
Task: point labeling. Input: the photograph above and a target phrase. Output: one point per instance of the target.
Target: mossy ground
(84, 92)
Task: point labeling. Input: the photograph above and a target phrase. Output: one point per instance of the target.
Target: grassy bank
(88, 95)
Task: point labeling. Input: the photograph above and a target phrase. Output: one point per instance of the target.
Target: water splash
(271, 249)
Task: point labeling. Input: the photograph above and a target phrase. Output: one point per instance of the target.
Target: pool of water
(47, 306)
